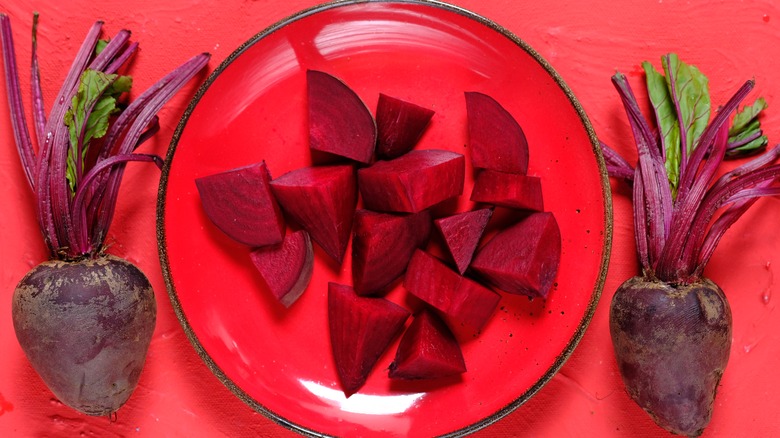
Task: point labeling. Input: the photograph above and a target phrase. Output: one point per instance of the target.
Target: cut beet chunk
(400, 124)
(412, 182)
(286, 267)
(463, 299)
(428, 350)
(461, 234)
(361, 329)
(382, 245)
(322, 200)
(339, 122)
(510, 190)
(522, 259)
(496, 140)
(239, 202)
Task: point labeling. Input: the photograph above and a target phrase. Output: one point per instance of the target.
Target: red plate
(253, 108)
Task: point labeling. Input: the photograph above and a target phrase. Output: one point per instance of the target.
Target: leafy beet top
(87, 138)
(680, 209)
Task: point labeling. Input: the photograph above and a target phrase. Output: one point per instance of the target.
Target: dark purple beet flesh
(86, 327)
(461, 233)
(322, 200)
(509, 190)
(460, 298)
(672, 344)
(286, 267)
(496, 140)
(400, 124)
(339, 122)
(382, 245)
(412, 182)
(428, 350)
(522, 259)
(240, 203)
(361, 329)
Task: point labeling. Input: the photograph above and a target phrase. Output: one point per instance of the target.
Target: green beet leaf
(666, 117)
(88, 116)
(690, 88)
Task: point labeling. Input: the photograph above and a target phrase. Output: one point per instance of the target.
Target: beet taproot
(85, 328)
(382, 245)
(521, 192)
(462, 232)
(339, 122)
(461, 298)
(428, 350)
(286, 267)
(496, 140)
(85, 319)
(240, 203)
(322, 200)
(412, 182)
(671, 326)
(524, 258)
(672, 345)
(400, 124)
(361, 329)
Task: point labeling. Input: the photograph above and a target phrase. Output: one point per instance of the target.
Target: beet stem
(39, 111)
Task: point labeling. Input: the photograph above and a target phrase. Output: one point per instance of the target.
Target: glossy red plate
(253, 107)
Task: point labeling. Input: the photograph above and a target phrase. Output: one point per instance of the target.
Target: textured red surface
(584, 41)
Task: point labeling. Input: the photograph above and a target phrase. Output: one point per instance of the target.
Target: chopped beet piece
(463, 299)
(461, 234)
(382, 245)
(428, 350)
(322, 200)
(400, 124)
(510, 190)
(339, 122)
(286, 267)
(522, 259)
(239, 202)
(361, 329)
(496, 140)
(412, 182)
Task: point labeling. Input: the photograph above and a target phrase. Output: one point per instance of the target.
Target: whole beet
(86, 327)
(672, 345)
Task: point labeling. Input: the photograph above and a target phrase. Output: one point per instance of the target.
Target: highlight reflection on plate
(253, 108)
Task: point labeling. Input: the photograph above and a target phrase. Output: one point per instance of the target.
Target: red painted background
(586, 42)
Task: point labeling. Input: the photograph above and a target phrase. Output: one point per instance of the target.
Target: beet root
(339, 122)
(361, 329)
(461, 233)
(412, 182)
(400, 125)
(382, 245)
(428, 350)
(509, 190)
(286, 267)
(496, 140)
(672, 344)
(240, 203)
(86, 327)
(522, 259)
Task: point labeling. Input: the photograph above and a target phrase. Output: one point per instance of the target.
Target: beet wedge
(412, 182)
(361, 329)
(461, 233)
(382, 245)
(400, 124)
(286, 267)
(240, 203)
(509, 190)
(461, 298)
(428, 350)
(524, 258)
(339, 122)
(496, 140)
(322, 200)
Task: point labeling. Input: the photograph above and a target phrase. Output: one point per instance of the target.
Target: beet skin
(86, 327)
(672, 345)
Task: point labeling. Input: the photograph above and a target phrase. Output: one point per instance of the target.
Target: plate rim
(585, 121)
